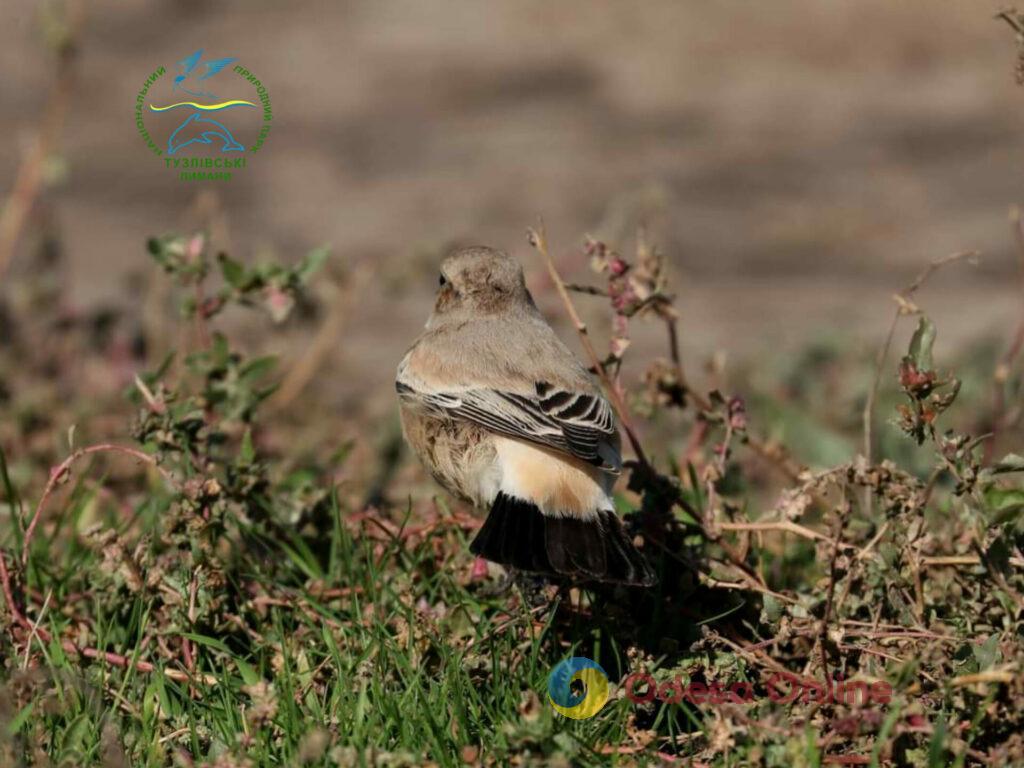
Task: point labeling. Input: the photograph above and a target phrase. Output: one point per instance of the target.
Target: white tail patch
(560, 486)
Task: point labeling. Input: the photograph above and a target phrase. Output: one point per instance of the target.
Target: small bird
(504, 417)
(186, 69)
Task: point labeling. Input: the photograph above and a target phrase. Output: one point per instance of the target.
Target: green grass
(246, 605)
(409, 663)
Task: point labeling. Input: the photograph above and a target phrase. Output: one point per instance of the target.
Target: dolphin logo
(197, 129)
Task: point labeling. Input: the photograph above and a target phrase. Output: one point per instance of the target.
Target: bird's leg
(533, 588)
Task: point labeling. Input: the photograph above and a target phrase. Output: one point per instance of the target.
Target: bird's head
(479, 280)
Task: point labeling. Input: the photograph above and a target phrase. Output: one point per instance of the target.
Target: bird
(504, 417)
(187, 67)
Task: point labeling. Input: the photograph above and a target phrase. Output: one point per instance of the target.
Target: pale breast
(458, 454)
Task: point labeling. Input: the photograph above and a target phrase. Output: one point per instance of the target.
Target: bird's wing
(215, 66)
(187, 65)
(580, 424)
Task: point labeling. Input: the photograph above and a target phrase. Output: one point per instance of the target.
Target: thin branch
(12, 606)
(588, 290)
(538, 239)
(60, 473)
(791, 469)
(784, 526)
(1008, 17)
(833, 571)
(29, 180)
(34, 630)
(1005, 365)
(325, 341)
(114, 659)
(990, 676)
(903, 308)
(954, 560)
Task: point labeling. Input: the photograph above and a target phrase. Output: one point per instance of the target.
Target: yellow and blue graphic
(196, 127)
(587, 696)
(200, 145)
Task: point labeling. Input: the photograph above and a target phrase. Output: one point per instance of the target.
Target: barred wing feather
(577, 423)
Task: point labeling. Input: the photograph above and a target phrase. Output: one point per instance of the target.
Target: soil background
(799, 161)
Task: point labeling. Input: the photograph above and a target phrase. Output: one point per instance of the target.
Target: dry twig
(904, 307)
(60, 473)
(29, 180)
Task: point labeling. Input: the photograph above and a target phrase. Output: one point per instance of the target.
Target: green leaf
(19, 719)
(220, 350)
(256, 369)
(76, 733)
(921, 344)
(311, 262)
(883, 735)
(234, 272)
(247, 671)
(1004, 504)
(212, 642)
(247, 453)
(1011, 462)
(937, 746)
(987, 654)
(771, 610)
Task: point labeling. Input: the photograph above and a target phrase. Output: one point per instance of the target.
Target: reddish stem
(58, 473)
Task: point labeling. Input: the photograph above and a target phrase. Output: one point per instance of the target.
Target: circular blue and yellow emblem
(579, 704)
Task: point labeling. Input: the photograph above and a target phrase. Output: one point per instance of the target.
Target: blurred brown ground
(799, 161)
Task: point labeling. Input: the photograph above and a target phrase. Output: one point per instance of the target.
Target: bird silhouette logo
(187, 67)
(578, 687)
(198, 127)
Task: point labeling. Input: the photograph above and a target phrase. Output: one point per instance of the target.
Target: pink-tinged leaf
(195, 248)
(479, 569)
(278, 303)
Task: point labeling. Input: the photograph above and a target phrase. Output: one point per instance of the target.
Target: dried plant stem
(29, 179)
(784, 526)
(118, 660)
(791, 469)
(990, 676)
(114, 659)
(1008, 17)
(772, 455)
(34, 631)
(59, 473)
(12, 606)
(844, 516)
(720, 468)
(538, 239)
(954, 560)
(1005, 365)
(902, 301)
(745, 585)
(325, 341)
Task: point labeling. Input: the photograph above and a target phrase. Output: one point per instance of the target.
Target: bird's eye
(442, 280)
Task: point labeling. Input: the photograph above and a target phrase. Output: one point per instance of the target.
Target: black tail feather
(517, 534)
